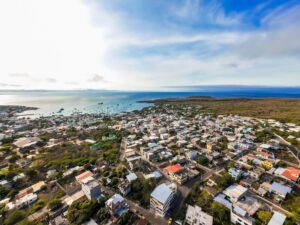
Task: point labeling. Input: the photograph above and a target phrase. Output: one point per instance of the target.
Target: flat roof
(161, 193)
(235, 191)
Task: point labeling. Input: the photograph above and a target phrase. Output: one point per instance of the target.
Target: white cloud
(67, 44)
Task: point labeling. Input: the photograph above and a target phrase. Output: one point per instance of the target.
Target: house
(116, 205)
(291, 174)
(27, 199)
(177, 173)
(263, 189)
(134, 162)
(27, 142)
(91, 188)
(242, 211)
(239, 216)
(277, 219)
(162, 198)
(280, 190)
(124, 188)
(235, 192)
(195, 216)
(235, 173)
(79, 178)
(131, 177)
(38, 186)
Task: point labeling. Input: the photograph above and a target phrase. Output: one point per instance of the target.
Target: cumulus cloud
(188, 41)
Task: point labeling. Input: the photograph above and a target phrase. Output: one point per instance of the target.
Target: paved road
(39, 214)
(266, 201)
(292, 148)
(123, 147)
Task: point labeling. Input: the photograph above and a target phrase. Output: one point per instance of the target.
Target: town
(164, 164)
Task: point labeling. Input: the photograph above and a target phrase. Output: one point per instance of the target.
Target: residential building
(235, 192)
(162, 198)
(91, 188)
(116, 205)
(83, 176)
(195, 216)
(280, 190)
(235, 173)
(125, 188)
(177, 173)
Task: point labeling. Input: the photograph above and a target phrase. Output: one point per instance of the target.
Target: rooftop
(173, 168)
(161, 193)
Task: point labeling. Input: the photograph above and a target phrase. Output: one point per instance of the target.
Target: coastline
(15, 108)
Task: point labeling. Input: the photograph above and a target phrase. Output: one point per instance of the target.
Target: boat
(61, 109)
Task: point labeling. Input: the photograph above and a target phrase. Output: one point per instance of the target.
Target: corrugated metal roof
(280, 189)
(277, 219)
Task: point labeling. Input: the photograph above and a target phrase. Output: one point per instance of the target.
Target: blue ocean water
(96, 101)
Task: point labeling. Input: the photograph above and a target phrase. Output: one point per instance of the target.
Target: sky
(148, 44)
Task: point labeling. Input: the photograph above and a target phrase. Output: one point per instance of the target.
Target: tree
(3, 192)
(224, 181)
(54, 204)
(102, 215)
(15, 217)
(264, 216)
(204, 200)
(220, 213)
(230, 165)
(125, 219)
(202, 160)
(31, 174)
(81, 211)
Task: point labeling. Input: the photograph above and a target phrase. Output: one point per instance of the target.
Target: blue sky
(149, 44)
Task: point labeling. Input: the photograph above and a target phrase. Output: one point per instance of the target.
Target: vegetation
(263, 216)
(15, 217)
(54, 204)
(220, 213)
(126, 218)
(281, 109)
(202, 160)
(224, 181)
(102, 216)
(141, 189)
(292, 204)
(80, 211)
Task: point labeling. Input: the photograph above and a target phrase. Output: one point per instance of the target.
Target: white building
(162, 198)
(235, 192)
(91, 188)
(195, 216)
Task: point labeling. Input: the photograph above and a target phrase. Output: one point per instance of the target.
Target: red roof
(173, 169)
(291, 173)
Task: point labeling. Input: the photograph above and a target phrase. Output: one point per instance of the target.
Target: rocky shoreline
(15, 108)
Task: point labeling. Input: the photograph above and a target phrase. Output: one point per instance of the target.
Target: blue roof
(221, 199)
(280, 189)
(157, 174)
(161, 193)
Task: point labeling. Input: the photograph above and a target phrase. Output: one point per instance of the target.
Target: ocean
(96, 101)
